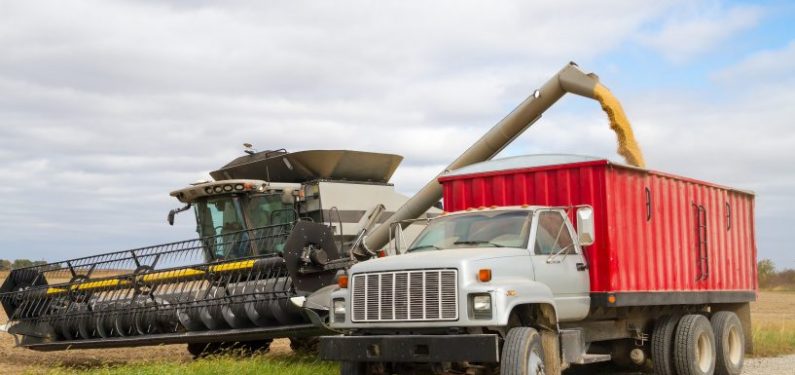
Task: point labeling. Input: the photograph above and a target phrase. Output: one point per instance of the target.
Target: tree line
(770, 278)
(7, 265)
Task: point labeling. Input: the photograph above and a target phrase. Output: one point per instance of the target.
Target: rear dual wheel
(694, 345)
(694, 350)
(662, 345)
(729, 343)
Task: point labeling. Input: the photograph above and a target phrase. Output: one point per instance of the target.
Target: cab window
(553, 235)
(265, 210)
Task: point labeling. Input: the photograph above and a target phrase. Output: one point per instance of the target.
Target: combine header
(275, 231)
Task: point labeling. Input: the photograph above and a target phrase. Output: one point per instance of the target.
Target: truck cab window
(478, 229)
(552, 235)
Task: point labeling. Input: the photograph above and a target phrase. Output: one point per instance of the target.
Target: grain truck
(544, 261)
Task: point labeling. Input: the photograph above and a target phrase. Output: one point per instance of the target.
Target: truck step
(593, 358)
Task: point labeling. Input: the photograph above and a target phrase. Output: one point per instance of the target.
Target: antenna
(249, 149)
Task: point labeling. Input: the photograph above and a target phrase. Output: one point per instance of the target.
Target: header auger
(177, 292)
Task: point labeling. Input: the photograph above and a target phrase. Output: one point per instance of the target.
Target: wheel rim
(535, 365)
(735, 347)
(704, 353)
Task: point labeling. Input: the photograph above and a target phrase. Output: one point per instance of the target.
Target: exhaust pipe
(569, 79)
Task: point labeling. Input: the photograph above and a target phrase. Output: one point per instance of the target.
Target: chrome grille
(422, 295)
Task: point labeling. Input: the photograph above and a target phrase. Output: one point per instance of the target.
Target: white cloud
(769, 66)
(698, 28)
(105, 107)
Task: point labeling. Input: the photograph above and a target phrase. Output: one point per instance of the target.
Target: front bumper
(411, 348)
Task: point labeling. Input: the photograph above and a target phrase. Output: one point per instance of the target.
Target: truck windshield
(476, 229)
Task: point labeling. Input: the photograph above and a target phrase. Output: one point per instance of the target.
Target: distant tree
(784, 278)
(5, 265)
(22, 263)
(766, 271)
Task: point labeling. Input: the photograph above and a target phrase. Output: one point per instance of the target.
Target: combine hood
(302, 166)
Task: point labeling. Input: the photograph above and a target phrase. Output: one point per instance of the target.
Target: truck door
(559, 263)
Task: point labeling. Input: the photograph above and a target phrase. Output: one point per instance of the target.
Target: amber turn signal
(342, 281)
(484, 274)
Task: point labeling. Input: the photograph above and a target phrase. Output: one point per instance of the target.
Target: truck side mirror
(585, 226)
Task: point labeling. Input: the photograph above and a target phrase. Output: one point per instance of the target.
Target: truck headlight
(338, 308)
(480, 306)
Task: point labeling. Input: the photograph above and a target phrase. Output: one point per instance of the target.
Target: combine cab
(261, 244)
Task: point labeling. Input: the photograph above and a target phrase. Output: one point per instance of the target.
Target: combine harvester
(276, 230)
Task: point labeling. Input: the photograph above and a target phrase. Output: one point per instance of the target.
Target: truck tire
(522, 353)
(662, 345)
(353, 368)
(694, 353)
(729, 343)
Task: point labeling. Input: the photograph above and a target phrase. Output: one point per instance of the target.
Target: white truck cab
(460, 283)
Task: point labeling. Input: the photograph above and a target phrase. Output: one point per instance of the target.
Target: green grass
(228, 364)
(773, 338)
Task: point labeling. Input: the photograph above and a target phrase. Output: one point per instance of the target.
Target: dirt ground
(770, 307)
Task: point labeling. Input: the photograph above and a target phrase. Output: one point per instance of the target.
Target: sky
(107, 106)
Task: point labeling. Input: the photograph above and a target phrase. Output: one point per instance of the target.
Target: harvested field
(773, 319)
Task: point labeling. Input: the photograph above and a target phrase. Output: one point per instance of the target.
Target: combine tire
(694, 353)
(662, 345)
(729, 343)
(522, 353)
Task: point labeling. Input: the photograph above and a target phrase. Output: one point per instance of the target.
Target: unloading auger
(275, 231)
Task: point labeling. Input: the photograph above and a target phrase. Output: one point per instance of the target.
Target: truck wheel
(353, 368)
(694, 352)
(522, 353)
(729, 343)
(662, 345)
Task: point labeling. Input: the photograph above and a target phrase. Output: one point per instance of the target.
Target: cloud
(105, 107)
(696, 29)
(769, 66)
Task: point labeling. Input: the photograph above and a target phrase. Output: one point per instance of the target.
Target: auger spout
(570, 79)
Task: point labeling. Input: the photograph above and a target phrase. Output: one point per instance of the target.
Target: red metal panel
(633, 252)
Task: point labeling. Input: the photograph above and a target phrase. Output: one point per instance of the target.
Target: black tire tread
(683, 348)
(517, 342)
(720, 320)
(662, 345)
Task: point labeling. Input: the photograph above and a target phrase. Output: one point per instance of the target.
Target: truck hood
(452, 258)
